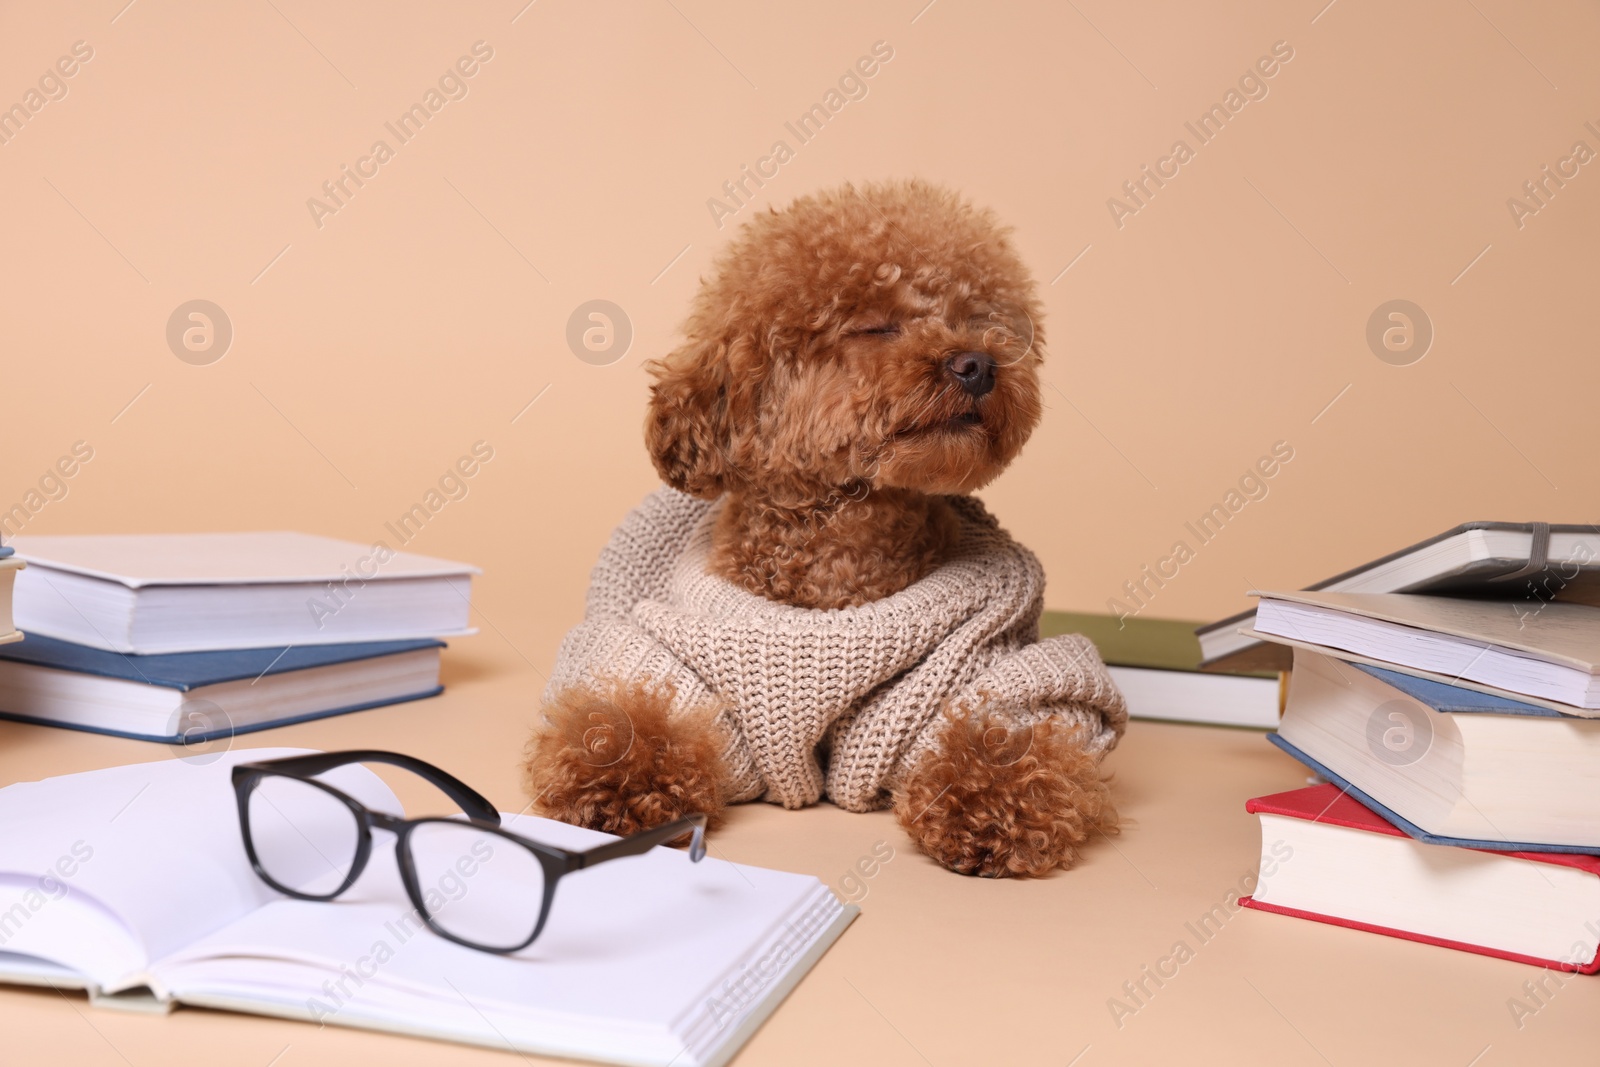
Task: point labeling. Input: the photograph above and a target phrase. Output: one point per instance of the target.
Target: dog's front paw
(612, 758)
(999, 798)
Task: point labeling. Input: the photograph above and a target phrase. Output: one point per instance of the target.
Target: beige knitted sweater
(863, 686)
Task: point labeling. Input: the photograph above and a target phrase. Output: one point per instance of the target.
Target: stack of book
(186, 638)
(1220, 674)
(1460, 740)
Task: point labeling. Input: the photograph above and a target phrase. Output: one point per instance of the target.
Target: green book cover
(1164, 644)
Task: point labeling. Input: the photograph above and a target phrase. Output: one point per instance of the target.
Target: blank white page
(157, 845)
(636, 948)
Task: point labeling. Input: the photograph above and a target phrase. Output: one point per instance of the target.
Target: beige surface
(939, 969)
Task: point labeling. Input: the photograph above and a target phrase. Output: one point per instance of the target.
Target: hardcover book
(1156, 664)
(193, 697)
(1446, 764)
(157, 593)
(1348, 867)
(1552, 654)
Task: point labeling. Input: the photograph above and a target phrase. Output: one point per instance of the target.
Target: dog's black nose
(974, 371)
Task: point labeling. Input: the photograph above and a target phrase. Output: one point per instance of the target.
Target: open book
(132, 883)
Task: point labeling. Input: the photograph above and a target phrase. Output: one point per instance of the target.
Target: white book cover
(147, 594)
(252, 558)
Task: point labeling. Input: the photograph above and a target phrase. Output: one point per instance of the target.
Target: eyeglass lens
(481, 887)
(306, 839)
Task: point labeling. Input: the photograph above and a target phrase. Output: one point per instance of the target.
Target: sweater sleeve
(635, 566)
(1059, 677)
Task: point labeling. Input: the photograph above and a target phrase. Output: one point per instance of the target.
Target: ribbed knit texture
(862, 687)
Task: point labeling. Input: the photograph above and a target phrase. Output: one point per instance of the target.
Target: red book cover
(1331, 805)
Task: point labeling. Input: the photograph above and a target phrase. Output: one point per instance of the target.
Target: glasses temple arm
(469, 800)
(639, 843)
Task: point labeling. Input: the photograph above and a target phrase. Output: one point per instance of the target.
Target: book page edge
(724, 1052)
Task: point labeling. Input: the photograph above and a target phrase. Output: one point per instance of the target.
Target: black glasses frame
(555, 862)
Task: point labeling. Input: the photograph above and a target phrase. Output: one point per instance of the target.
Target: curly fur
(613, 758)
(996, 797)
(812, 390)
(813, 393)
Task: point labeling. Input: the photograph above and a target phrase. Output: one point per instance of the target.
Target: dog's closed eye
(888, 329)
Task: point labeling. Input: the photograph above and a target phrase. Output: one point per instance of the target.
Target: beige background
(1223, 317)
(1226, 315)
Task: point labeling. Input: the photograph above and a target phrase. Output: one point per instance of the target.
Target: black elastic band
(1538, 554)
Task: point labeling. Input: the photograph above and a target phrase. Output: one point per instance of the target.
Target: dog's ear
(689, 427)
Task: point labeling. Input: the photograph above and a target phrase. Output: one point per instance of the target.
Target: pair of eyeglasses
(472, 881)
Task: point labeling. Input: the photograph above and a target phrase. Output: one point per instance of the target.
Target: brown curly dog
(854, 366)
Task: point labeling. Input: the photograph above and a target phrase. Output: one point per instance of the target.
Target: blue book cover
(191, 670)
(1412, 829)
(187, 671)
(1453, 699)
